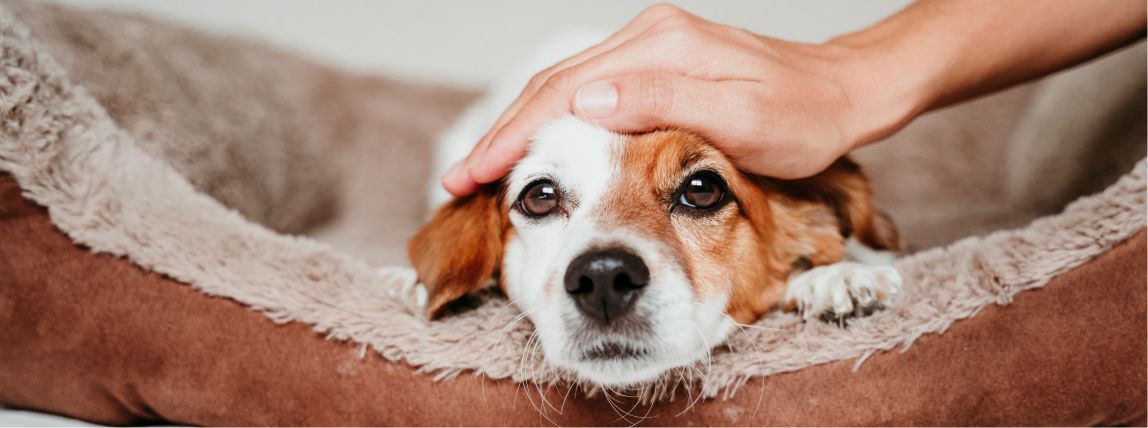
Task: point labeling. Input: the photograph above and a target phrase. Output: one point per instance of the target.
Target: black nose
(604, 284)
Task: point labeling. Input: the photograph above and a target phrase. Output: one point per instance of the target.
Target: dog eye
(702, 191)
(539, 199)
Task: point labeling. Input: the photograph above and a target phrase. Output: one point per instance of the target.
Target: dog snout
(605, 283)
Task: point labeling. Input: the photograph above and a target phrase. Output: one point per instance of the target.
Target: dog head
(634, 254)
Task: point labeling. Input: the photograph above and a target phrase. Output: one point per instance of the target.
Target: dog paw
(839, 291)
(407, 287)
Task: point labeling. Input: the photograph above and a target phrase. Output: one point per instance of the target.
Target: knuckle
(661, 10)
(741, 35)
(656, 92)
(558, 82)
(679, 31)
(676, 23)
(538, 79)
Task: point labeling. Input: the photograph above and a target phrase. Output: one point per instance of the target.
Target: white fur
(570, 151)
(838, 289)
(581, 160)
(858, 252)
(411, 291)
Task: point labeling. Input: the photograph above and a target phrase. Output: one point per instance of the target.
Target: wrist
(885, 88)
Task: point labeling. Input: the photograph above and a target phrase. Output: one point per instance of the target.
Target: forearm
(940, 52)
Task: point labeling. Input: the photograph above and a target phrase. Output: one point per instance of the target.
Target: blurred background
(467, 43)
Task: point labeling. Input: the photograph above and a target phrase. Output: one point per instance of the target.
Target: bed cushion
(98, 338)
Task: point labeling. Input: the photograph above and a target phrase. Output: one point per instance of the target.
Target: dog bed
(232, 203)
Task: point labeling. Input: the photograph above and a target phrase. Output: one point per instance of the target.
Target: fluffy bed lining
(108, 193)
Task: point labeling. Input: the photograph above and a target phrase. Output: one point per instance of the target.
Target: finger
(508, 143)
(650, 100)
(511, 142)
(635, 27)
(720, 111)
(458, 181)
(646, 19)
(757, 131)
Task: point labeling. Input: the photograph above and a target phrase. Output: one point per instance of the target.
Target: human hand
(776, 108)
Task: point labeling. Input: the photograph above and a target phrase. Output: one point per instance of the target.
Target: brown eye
(702, 191)
(539, 199)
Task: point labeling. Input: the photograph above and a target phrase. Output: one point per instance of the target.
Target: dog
(636, 254)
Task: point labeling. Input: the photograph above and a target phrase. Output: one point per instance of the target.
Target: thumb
(648, 100)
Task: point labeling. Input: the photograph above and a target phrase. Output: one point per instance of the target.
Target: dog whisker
(761, 394)
(532, 344)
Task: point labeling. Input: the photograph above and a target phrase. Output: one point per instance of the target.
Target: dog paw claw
(835, 293)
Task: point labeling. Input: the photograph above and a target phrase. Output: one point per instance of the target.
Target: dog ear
(460, 249)
(845, 190)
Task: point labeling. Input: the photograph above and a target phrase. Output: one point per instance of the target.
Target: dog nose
(604, 284)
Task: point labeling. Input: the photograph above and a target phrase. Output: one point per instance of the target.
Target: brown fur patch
(844, 189)
(460, 249)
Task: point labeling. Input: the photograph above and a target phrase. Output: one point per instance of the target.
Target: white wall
(468, 42)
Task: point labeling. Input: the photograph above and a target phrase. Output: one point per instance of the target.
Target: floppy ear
(845, 190)
(460, 249)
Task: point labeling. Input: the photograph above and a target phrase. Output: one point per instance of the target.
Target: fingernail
(598, 99)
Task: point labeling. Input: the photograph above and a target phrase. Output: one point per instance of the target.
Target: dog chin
(624, 368)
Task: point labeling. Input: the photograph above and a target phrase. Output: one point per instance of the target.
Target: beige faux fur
(115, 190)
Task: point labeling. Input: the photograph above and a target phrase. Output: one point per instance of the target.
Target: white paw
(842, 290)
(408, 288)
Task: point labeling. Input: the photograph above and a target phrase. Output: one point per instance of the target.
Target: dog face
(635, 254)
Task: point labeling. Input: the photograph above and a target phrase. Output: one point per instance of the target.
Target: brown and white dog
(634, 254)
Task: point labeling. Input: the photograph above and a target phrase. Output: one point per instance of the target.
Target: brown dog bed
(189, 156)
